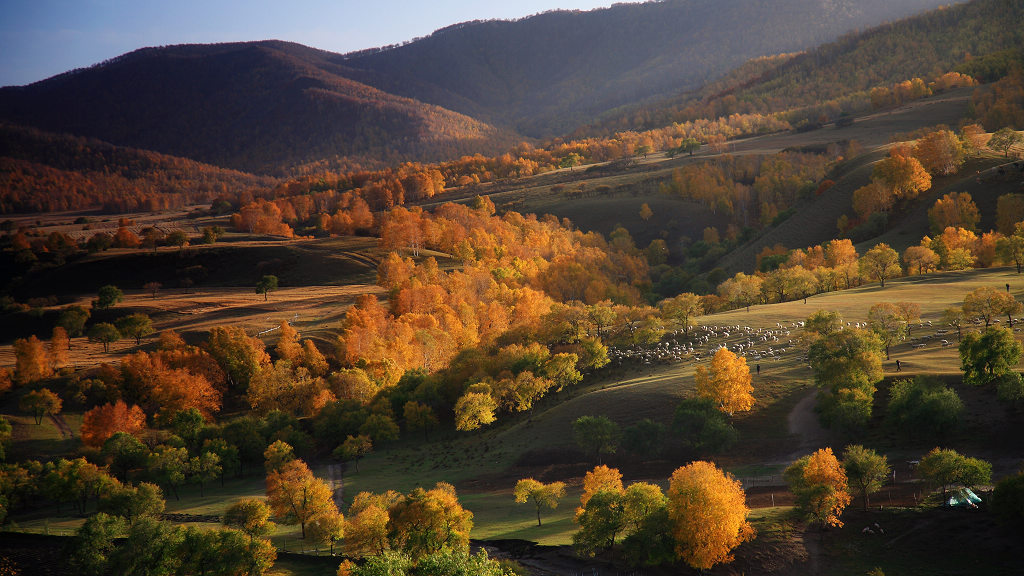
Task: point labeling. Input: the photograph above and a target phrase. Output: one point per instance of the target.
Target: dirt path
(62, 426)
(803, 422)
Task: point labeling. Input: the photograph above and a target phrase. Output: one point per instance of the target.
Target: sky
(43, 38)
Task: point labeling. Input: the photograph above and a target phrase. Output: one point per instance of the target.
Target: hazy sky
(41, 38)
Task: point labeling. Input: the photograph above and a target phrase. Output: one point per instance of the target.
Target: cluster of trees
(44, 172)
(700, 520)
(752, 191)
(847, 365)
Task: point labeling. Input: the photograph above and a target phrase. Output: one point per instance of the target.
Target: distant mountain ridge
(274, 107)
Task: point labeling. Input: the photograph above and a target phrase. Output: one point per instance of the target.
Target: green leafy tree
(541, 495)
(946, 467)
(601, 520)
(94, 543)
(124, 452)
(204, 468)
(1008, 497)
(104, 333)
(107, 297)
(702, 427)
(177, 238)
(135, 325)
(266, 284)
(5, 437)
(681, 310)
(169, 466)
(923, 406)
(866, 470)
(40, 403)
(73, 319)
(134, 502)
(644, 438)
(596, 435)
(888, 322)
(419, 418)
(987, 357)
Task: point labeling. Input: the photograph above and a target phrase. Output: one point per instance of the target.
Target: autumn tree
(104, 333)
(288, 347)
(40, 403)
(875, 196)
(741, 290)
(645, 212)
(107, 297)
(135, 325)
(31, 363)
(904, 174)
(266, 284)
(251, 516)
(353, 449)
(152, 288)
(921, 257)
(707, 514)
(866, 470)
(542, 495)
(419, 417)
(954, 210)
(426, 521)
(239, 355)
(681, 309)
(475, 408)
(940, 152)
(104, 421)
(880, 263)
(987, 302)
(296, 496)
(58, 349)
(1005, 139)
(727, 382)
(366, 524)
(820, 485)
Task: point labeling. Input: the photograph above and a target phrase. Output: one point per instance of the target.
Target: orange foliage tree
(819, 482)
(956, 209)
(163, 390)
(31, 362)
(104, 421)
(707, 514)
(726, 382)
(296, 496)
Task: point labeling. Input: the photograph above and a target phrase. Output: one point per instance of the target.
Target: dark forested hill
(547, 73)
(273, 107)
(258, 106)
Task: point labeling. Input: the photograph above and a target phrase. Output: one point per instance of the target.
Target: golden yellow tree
(819, 482)
(707, 514)
(296, 496)
(288, 347)
(727, 382)
(542, 495)
(31, 363)
(600, 479)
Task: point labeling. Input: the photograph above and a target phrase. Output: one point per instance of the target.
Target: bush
(702, 427)
(1008, 498)
(923, 407)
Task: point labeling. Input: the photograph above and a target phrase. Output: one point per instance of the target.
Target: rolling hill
(274, 107)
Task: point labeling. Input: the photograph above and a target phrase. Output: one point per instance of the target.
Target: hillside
(981, 38)
(45, 172)
(547, 73)
(260, 107)
(272, 107)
